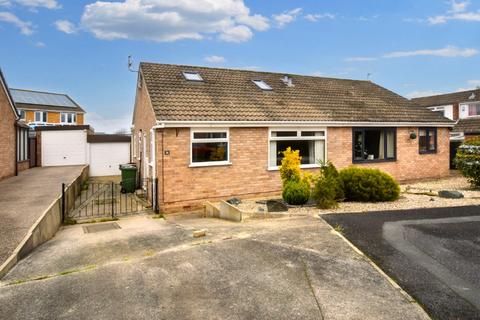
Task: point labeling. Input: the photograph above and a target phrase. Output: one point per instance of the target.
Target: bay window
(427, 140)
(209, 147)
(374, 144)
(310, 143)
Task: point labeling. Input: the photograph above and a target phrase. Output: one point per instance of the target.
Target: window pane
(390, 144)
(357, 146)
(306, 148)
(422, 139)
(209, 135)
(284, 133)
(62, 117)
(431, 140)
(474, 109)
(313, 133)
(374, 144)
(203, 152)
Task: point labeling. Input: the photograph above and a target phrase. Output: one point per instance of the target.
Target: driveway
(25, 197)
(434, 254)
(289, 268)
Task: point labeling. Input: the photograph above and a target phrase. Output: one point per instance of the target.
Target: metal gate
(104, 200)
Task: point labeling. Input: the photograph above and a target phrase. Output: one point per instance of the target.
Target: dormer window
(192, 76)
(262, 85)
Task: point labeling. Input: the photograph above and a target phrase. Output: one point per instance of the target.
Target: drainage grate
(101, 227)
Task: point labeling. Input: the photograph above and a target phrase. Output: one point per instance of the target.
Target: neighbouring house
(38, 108)
(211, 133)
(462, 107)
(14, 155)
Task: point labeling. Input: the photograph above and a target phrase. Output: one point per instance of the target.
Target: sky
(412, 47)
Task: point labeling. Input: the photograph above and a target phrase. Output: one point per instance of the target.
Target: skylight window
(192, 76)
(262, 84)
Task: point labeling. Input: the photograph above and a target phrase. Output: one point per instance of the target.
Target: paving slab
(288, 268)
(432, 253)
(25, 197)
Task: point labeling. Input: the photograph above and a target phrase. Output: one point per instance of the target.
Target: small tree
(328, 189)
(290, 168)
(467, 161)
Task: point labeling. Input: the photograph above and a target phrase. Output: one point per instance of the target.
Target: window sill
(427, 152)
(373, 161)
(210, 164)
(304, 166)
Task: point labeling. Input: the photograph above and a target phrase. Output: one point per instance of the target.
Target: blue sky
(80, 47)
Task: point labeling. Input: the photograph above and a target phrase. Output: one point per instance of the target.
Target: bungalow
(13, 135)
(210, 133)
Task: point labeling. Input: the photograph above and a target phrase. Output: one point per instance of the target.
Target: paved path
(289, 268)
(24, 198)
(433, 253)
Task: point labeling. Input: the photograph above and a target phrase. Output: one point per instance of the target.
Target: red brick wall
(456, 111)
(410, 163)
(23, 165)
(185, 188)
(7, 137)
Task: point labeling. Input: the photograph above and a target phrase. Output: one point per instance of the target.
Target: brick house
(462, 107)
(13, 135)
(38, 108)
(210, 133)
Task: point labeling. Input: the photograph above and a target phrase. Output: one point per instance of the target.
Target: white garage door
(64, 147)
(106, 157)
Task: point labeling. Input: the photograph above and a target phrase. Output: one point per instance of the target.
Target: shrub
(368, 185)
(290, 168)
(328, 187)
(296, 192)
(467, 161)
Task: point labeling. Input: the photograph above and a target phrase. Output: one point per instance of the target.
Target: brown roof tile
(230, 95)
(468, 125)
(445, 99)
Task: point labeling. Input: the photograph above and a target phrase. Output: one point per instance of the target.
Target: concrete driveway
(25, 197)
(290, 268)
(433, 253)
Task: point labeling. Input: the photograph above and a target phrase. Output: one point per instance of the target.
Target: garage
(107, 152)
(63, 146)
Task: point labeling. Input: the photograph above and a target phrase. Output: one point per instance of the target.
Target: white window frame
(299, 138)
(209, 163)
(41, 116)
(23, 114)
(467, 111)
(64, 118)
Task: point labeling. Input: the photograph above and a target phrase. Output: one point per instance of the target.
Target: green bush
(467, 161)
(296, 192)
(328, 189)
(368, 185)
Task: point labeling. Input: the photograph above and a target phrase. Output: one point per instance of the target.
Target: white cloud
(26, 27)
(108, 124)
(419, 94)
(286, 17)
(458, 11)
(5, 3)
(447, 52)
(215, 59)
(166, 20)
(49, 4)
(65, 26)
(360, 59)
(471, 85)
(40, 44)
(319, 16)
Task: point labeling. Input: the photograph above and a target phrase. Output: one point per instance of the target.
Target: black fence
(105, 200)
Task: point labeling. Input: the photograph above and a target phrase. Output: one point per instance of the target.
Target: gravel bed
(409, 199)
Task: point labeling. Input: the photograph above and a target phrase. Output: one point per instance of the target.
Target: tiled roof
(230, 95)
(468, 125)
(449, 98)
(44, 100)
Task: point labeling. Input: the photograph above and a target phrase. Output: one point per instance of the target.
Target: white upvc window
(209, 147)
(473, 109)
(311, 142)
(68, 118)
(41, 116)
(22, 114)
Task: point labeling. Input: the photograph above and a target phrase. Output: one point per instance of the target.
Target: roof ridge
(446, 94)
(248, 70)
(38, 91)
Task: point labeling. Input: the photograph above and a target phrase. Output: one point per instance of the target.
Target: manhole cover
(100, 227)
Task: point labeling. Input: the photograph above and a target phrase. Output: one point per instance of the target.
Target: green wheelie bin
(129, 177)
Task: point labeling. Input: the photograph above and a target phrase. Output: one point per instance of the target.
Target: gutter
(177, 124)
